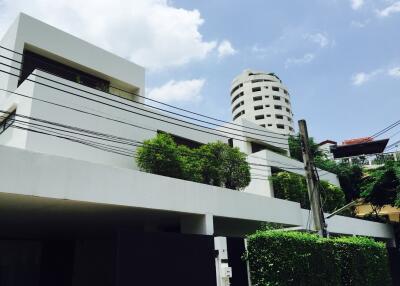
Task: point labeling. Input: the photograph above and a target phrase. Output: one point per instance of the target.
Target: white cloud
(318, 38)
(393, 8)
(359, 24)
(178, 91)
(394, 72)
(307, 58)
(149, 32)
(225, 49)
(356, 4)
(362, 77)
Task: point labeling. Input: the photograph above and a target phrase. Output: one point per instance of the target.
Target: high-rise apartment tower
(260, 97)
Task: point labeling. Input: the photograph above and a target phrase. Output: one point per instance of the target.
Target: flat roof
(365, 148)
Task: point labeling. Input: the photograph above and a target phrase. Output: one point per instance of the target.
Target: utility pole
(312, 181)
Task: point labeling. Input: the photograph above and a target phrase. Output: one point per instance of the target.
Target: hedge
(292, 258)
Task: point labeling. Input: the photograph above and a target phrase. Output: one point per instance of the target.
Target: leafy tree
(215, 163)
(160, 156)
(296, 150)
(293, 187)
(224, 166)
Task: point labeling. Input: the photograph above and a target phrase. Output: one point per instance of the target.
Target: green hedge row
(292, 258)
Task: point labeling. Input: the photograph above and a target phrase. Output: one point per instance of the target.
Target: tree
(293, 187)
(223, 165)
(160, 156)
(214, 163)
(296, 150)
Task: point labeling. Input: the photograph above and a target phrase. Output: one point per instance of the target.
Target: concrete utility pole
(312, 181)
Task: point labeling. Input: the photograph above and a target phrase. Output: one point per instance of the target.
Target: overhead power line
(148, 111)
(165, 104)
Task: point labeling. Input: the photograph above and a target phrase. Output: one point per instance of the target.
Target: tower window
(255, 89)
(287, 101)
(258, 107)
(274, 88)
(257, 98)
(280, 126)
(258, 117)
(278, 107)
(277, 97)
(277, 116)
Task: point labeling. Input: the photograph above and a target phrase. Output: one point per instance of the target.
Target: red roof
(357, 140)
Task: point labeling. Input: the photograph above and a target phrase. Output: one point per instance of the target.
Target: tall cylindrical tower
(261, 98)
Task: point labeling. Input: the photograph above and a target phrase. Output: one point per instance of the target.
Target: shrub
(293, 187)
(293, 258)
(215, 163)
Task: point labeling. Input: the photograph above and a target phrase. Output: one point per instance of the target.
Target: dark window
(287, 109)
(237, 105)
(279, 116)
(6, 120)
(254, 89)
(287, 101)
(278, 107)
(257, 98)
(269, 124)
(280, 126)
(32, 61)
(289, 119)
(183, 141)
(291, 129)
(258, 107)
(237, 96)
(236, 88)
(277, 97)
(267, 105)
(256, 80)
(262, 125)
(274, 88)
(258, 117)
(267, 96)
(285, 91)
(268, 115)
(237, 115)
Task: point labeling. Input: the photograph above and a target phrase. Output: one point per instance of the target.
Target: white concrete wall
(56, 177)
(40, 37)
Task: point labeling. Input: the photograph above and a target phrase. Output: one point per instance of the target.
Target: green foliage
(294, 258)
(296, 150)
(215, 163)
(293, 187)
(382, 186)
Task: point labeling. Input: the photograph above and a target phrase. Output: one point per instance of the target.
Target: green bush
(293, 187)
(214, 163)
(292, 258)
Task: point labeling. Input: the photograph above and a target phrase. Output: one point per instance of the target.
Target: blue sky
(340, 59)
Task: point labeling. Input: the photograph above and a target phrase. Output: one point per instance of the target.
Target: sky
(340, 59)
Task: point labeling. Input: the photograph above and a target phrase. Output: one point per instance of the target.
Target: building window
(239, 114)
(236, 88)
(291, 129)
(256, 80)
(269, 124)
(255, 89)
(32, 61)
(258, 117)
(238, 105)
(289, 119)
(258, 107)
(280, 126)
(274, 88)
(287, 109)
(268, 115)
(267, 105)
(278, 107)
(257, 98)
(262, 125)
(287, 101)
(6, 120)
(277, 97)
(277, 116)
(237, 96)
(267, 96)
(285, 91)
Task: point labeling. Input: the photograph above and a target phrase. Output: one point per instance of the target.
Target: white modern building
(75, 209)
(262, 98)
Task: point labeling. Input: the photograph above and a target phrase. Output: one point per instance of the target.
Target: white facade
(38, 169)
(263, 99)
